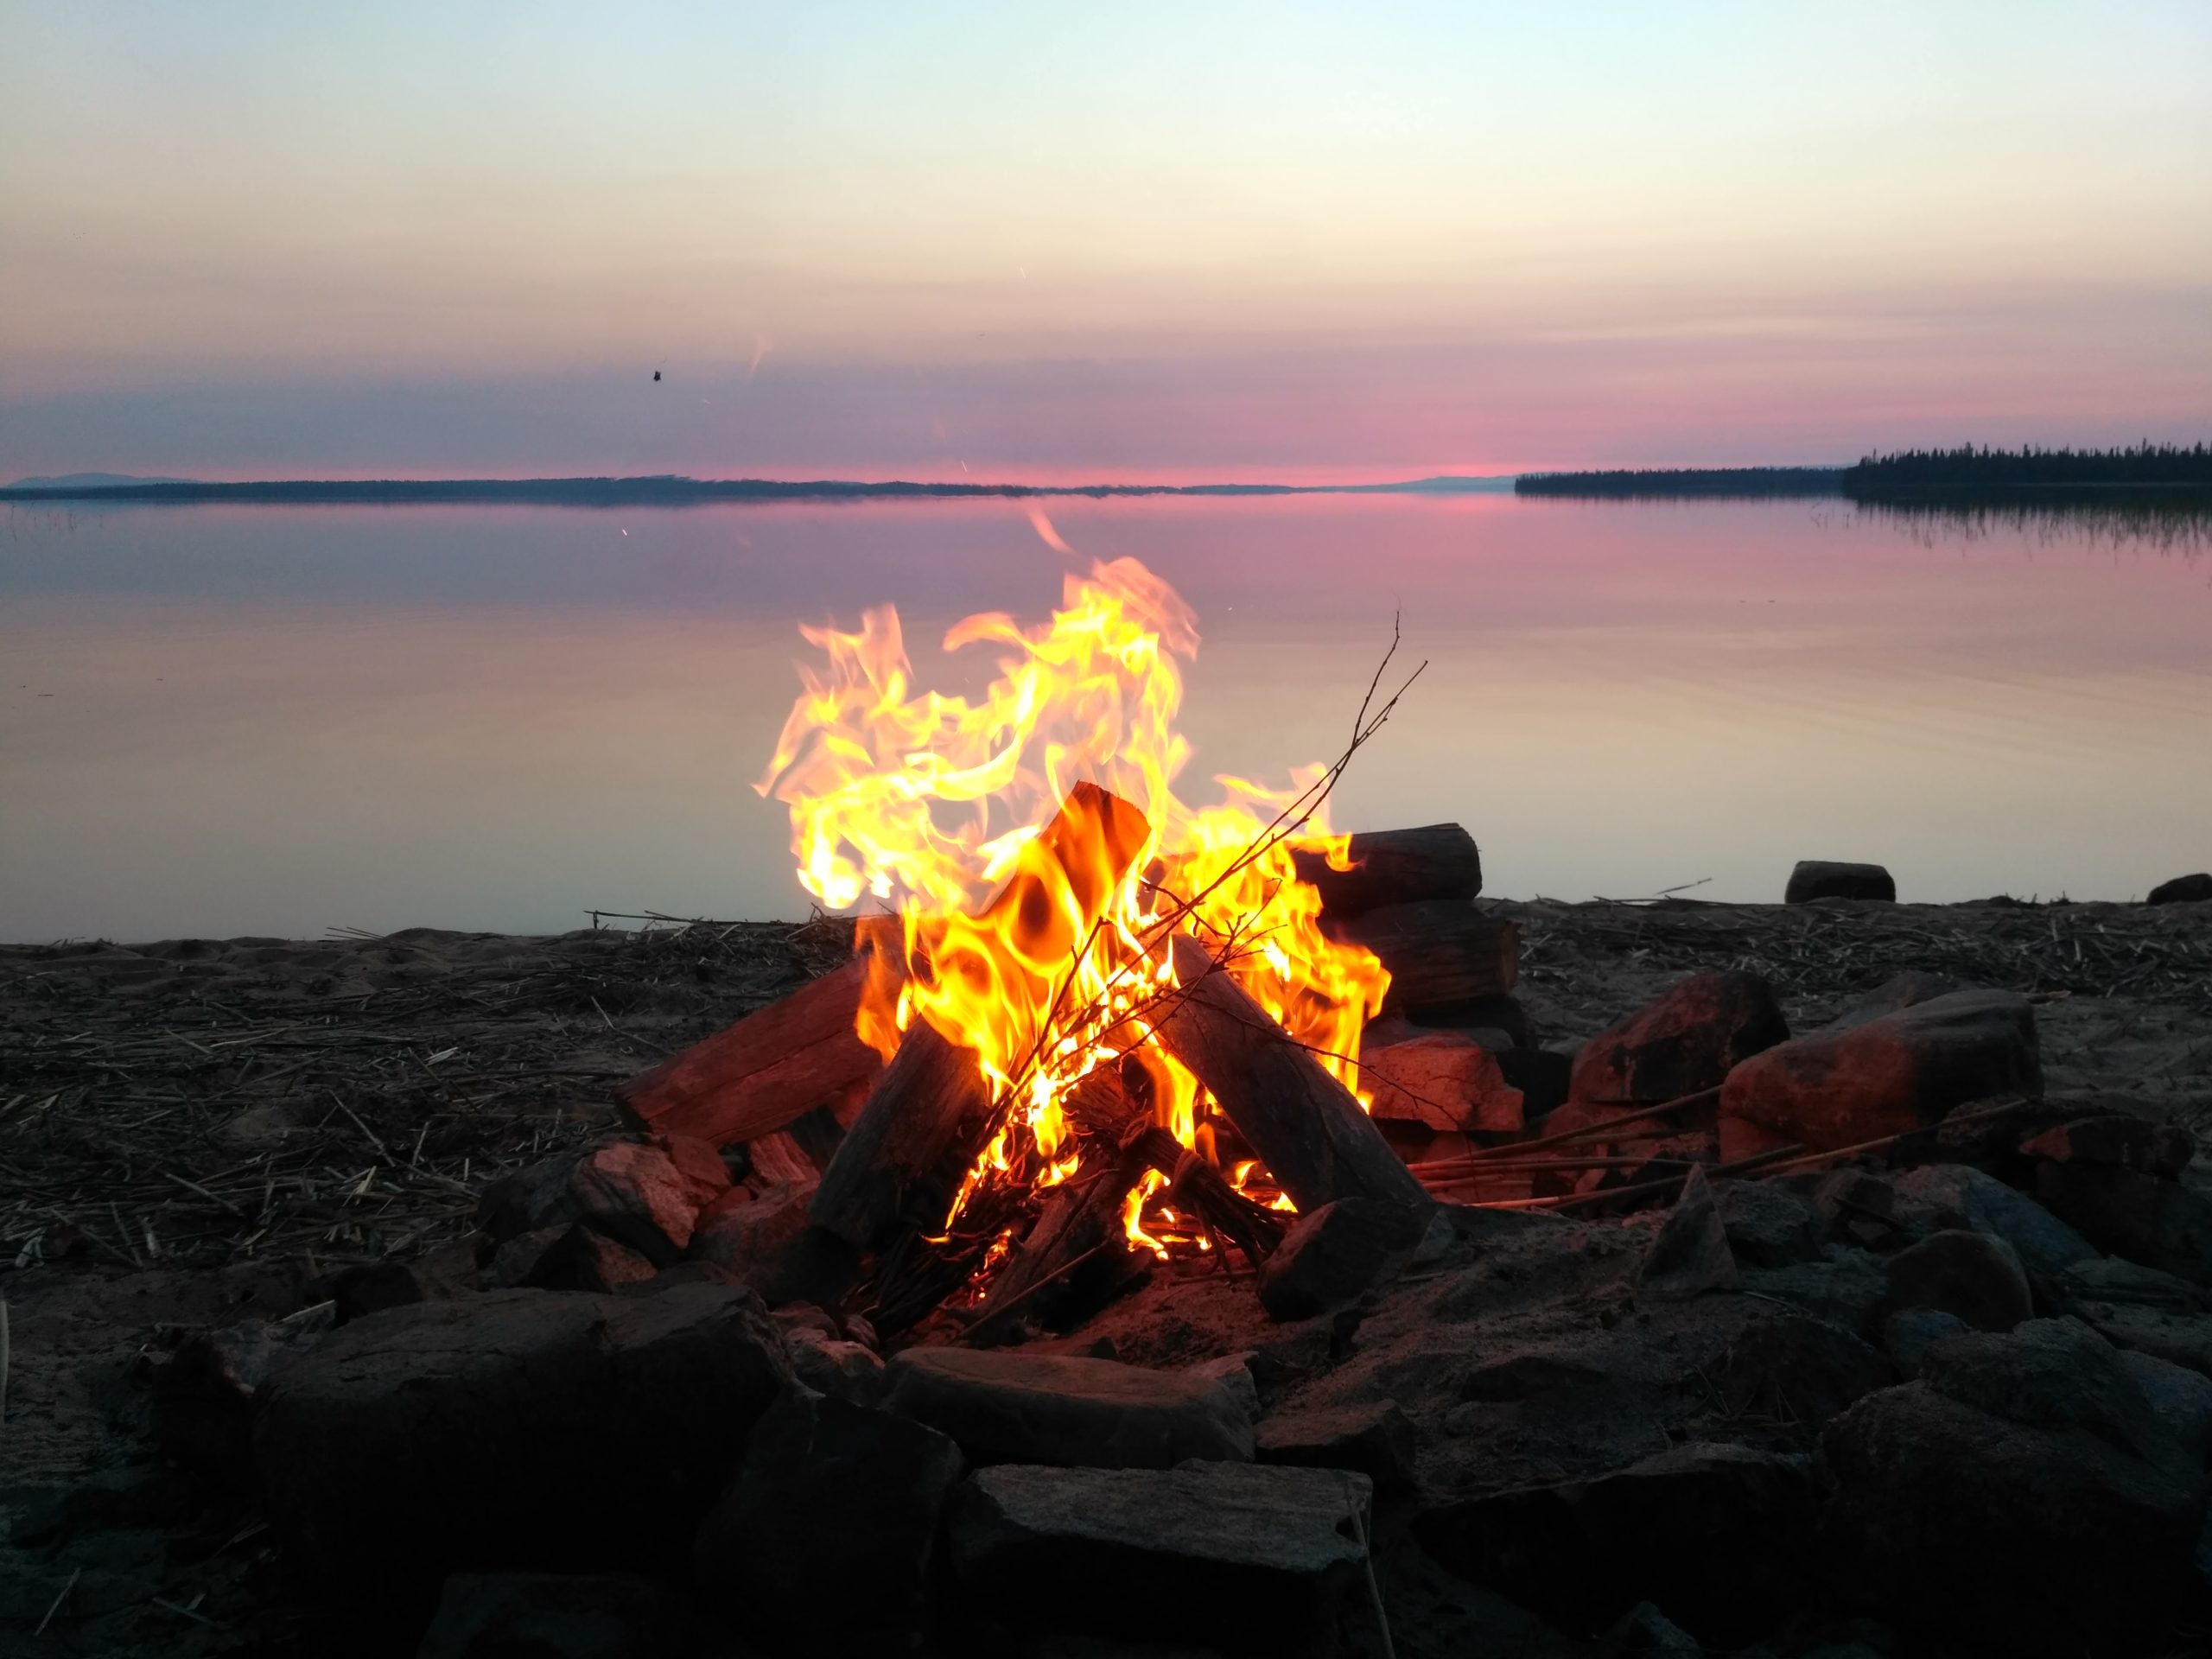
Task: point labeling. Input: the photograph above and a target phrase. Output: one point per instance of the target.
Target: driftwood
(1438, 952)
(1394, 867)
(1302, 1123)
(776, 1064)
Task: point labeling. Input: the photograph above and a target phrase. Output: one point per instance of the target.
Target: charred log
(1301, 1122)
(1394, 867)
(1440, 953)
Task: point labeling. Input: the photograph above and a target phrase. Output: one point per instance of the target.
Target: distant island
(666, 489)
(2147, 474)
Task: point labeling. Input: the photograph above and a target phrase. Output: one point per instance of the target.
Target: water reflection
(276, 719)
(2113, 523)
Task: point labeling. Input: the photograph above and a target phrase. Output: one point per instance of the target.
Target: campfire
(1088, 1026)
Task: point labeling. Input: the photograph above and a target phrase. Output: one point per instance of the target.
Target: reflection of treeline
(2179, 521)
(1973, 471)
(1671, 482)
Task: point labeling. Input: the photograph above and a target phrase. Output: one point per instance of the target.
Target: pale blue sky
(243, 239)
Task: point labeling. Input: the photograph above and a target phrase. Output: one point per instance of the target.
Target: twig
(58, 1600)
(1367, 1564)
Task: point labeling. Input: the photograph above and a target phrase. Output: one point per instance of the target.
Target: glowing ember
(1034, 846)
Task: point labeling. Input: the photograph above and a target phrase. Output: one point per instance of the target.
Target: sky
(1167, 242)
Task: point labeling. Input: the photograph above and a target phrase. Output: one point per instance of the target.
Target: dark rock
(826, 1540)
(1719, 1531)
(515, 1429)
(2159, 1223)
(1814, 878)
(2053, 1374)
(1684, 1041)
(1645, 1629)
(1690, 1255)
(203, 1399)
(1955, 1521)
(1938, 1196)
(2140, 1309)
(554, 1615)
(1904, 990)
(2182, 890)
(1861, 1208)
(2116, 1141)
(1908, 1333)
(1845, 1287)
(375, 1286)
(1334, 1254)
(844, 1370)
(1767, 1226)
(627, 1190)
(1234, 1372)
(1253, 1558)
(1795, 1367)
(1971, 1274)
(2181, 1398)
(1376, 1439)
(769, 1244)
(135, 1494)
(1542, 1076)
(1890, 1076)
(1014, 1408)
(571, 1257)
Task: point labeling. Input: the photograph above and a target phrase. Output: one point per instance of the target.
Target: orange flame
(1035, 850)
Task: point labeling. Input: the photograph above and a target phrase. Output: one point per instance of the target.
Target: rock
(139, 1495)
(1767, 1226)
(1255, 1559)
(554, 1615)
(570, 1257)
(1958, 1195)
(1904, 990)
(1890, 1076)
(1005, 1407)
(1861, 1208)
(2009, 1537)
(1908, 1333)
(1721, 1531)
(1378, 1440)
(2140, 1309)
(1797, 1367)
(2180, 1397)
(843, 1371)
(1845, 1287)
(1233, 1372)
(372, 1287)
(698, 1164)
(1645, 1629)
(827, 1539)
(2053, 1374)
(1442, 1079)
(2182, 890)
(768, 1244)
(1971, 1274)
(202, 1410)
(627, 1190)
(2116, 1141)
(2159, 1223)
(516, 1429)
(1815, 878)
(1684, 1041)
(1690, 1255)
(1336, 1254)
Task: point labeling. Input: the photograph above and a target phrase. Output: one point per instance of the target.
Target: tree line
(1980, 468)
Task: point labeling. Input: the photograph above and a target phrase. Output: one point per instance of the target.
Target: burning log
(898, 1158)
(776, 1064)
(1301, 1121)
(1394, 867)
(893, 1157)
(1440, 952)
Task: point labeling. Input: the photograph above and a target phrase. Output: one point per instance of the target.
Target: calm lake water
(219, 721)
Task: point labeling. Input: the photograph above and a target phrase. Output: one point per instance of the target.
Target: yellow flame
(1032, 911)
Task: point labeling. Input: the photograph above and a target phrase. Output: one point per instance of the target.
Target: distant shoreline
(669, 490)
